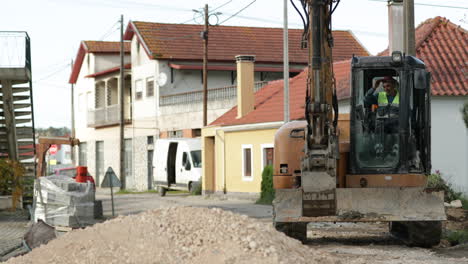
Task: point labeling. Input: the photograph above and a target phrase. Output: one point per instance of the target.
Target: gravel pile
(177, 235)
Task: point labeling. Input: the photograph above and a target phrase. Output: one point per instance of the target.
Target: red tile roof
(440, 44)
(443, 46)
(183, 42)
(87, 46)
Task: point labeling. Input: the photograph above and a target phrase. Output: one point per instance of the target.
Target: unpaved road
(367, 243)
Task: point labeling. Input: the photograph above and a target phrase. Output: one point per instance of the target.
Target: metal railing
(106, 116)
(15, 49)
(227, 92)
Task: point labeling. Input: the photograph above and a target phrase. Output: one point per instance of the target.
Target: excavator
(370, 165)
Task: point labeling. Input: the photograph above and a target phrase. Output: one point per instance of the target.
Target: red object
(53, 149)
(82, 175)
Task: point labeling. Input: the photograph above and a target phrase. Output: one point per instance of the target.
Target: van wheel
(161, 191)
(190, 187)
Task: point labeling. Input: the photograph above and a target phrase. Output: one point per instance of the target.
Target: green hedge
(267, 194)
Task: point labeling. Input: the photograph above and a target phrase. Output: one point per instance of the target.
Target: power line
(111, 30)
(53, 73)
(221, 6)
(235, 14)
(433, 5)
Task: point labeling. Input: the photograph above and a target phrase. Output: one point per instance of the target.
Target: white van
(177, 164)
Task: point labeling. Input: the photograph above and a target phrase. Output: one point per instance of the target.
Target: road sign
(53, 149)
(110, 179)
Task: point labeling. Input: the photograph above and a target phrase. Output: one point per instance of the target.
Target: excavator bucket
(366, 205)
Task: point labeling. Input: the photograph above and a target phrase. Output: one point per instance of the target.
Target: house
(439, 43)
(96, 77)
(163, 87)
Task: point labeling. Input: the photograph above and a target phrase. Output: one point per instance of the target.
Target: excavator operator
(388, 102)
(387, 115)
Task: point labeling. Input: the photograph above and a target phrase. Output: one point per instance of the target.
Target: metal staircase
(17, 135)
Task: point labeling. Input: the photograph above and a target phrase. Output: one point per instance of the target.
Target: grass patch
(177, 192)
(436, 181)
(135, 192)
(267, 194)
(464, 201)
(457, 237)
(196, 189)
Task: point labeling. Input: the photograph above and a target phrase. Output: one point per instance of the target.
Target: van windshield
(196, 158)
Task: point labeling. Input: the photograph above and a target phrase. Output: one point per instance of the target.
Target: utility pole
(286, 63)
(72, 119)
(205, 68)
(121, 99)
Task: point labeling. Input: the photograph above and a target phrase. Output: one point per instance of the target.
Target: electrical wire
(235, 14)
(111, 30)
(433, 5)
(53, 73)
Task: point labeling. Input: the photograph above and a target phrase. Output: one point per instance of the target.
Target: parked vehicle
(177, 164)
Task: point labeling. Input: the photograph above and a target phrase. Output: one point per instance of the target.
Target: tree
(464, 111)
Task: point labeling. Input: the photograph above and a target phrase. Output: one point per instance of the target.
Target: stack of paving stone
(60, 201)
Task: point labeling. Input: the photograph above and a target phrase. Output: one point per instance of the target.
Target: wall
(104, 62)
(223, 159)
(450, 140)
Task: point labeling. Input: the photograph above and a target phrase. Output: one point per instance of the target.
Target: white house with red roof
(163, 82)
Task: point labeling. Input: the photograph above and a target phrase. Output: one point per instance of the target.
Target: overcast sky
(56, 28)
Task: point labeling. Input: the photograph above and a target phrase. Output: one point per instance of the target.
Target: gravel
(177, 235)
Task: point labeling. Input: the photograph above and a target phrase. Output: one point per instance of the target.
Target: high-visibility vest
(382, 99)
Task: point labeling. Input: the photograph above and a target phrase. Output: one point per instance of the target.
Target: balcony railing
(227, 92)
(106, 116)
(15, 51)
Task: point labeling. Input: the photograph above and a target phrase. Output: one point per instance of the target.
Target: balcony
(217, 94)
(107, 116)
(15, 55)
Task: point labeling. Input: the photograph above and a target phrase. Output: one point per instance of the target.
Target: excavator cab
(390, 132)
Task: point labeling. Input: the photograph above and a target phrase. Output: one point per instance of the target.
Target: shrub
(436, 181)
(267, 194)
(457, 237)
(196, 189)
(11, 179)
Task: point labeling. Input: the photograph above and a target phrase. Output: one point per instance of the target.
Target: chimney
(245, 84)
(396, 28)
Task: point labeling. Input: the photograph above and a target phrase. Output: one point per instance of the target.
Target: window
(99, 161)
(196, 158)
(128, 161)
(149, 87)
(175, 134)
(267, 155)
(150, 140)
(196, 132)
(247, 163)
(376, 123)
(138, 90)
(82, 154)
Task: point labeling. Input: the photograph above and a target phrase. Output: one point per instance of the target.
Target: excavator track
(417, 233)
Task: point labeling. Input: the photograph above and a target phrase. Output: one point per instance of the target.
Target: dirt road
(367, 243)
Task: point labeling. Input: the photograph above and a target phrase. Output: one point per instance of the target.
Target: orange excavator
(367, 166)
